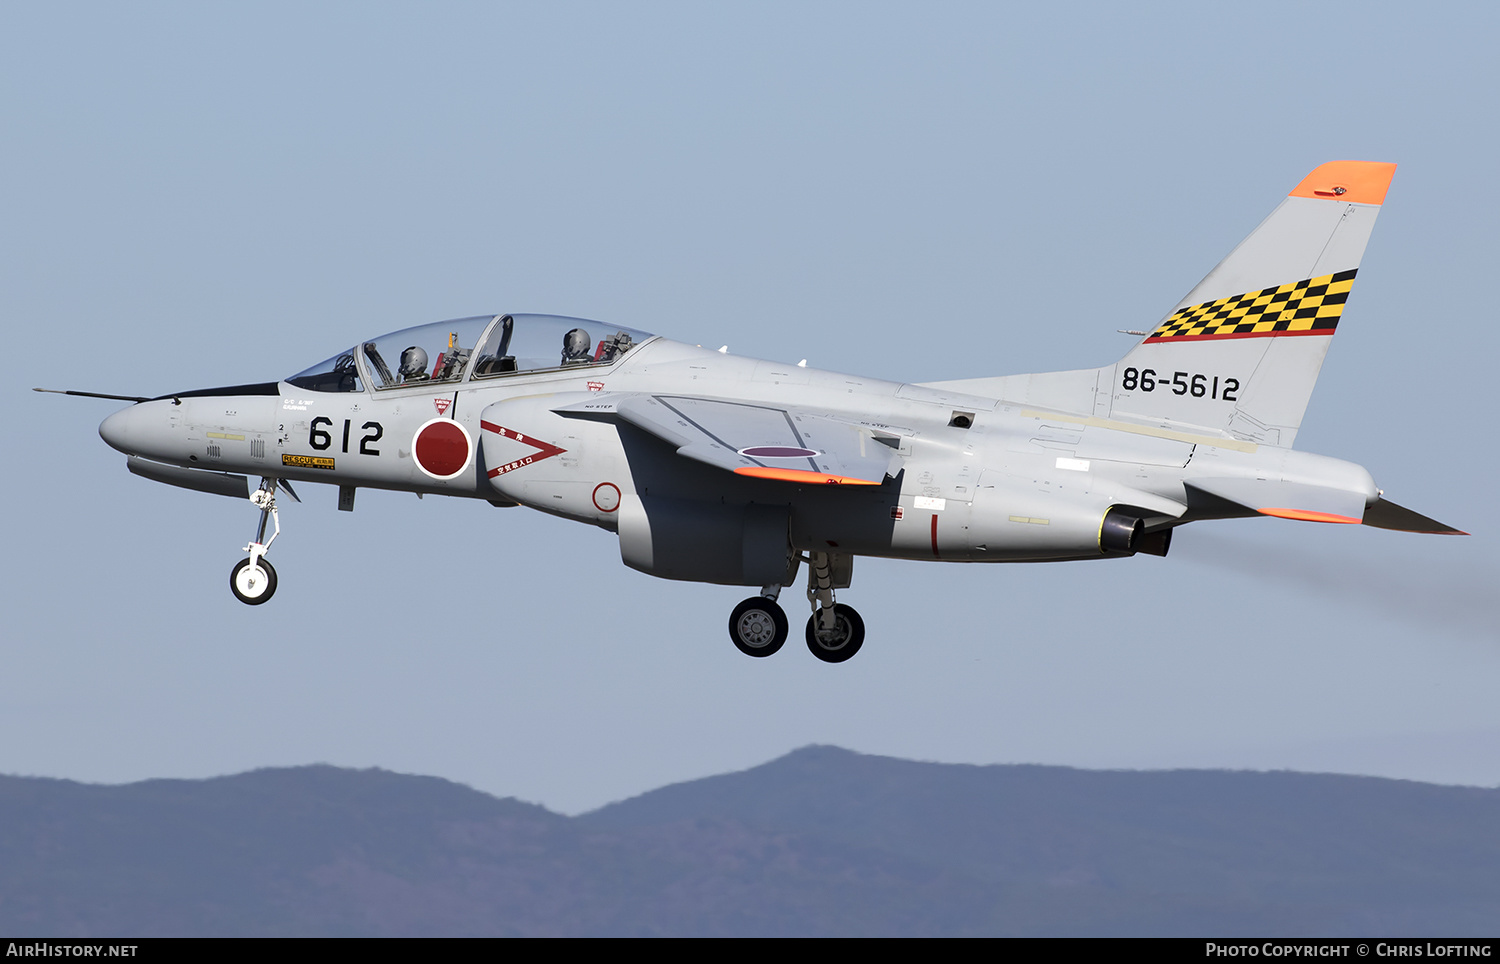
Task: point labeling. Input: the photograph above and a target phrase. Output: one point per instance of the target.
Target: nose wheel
(253, 581)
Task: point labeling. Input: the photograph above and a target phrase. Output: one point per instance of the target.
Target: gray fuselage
(974, 479)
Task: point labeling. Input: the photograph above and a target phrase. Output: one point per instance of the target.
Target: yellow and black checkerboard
(1301, 306)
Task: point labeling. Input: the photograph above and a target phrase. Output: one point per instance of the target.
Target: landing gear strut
(253, 580)
(834, 631)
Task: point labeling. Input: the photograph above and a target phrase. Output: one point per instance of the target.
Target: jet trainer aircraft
(720, 469)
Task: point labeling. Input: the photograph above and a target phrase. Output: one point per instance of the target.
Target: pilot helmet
(413, 362)
(576, 343)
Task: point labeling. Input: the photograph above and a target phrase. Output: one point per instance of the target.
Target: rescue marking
(596, 386)
(544, 450)
(307, 462)
(441, 404)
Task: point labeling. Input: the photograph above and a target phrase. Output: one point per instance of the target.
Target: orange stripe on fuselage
(1309, 516)
(801, 475)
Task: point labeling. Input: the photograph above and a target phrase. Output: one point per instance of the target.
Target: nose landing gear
(253, 580)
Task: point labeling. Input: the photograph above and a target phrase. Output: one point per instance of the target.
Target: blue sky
(201, 195)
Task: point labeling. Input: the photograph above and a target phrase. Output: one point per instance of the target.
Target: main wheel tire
(844, 641)
(758, 626)
(253, 586)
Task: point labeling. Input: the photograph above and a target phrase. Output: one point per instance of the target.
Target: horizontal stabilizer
(200, 480)
(755, 440)
(1389, 515)
(1288, 500)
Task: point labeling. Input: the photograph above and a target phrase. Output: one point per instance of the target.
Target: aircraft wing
(756, 439)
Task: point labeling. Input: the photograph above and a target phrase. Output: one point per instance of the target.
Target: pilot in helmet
(576, 345)
(414, 365)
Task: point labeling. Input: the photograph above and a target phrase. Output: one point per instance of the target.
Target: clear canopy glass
(337, 374)
(428, 353)
(531, 343)
(441, 352)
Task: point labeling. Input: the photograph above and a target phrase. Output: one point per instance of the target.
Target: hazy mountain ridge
(821, 841)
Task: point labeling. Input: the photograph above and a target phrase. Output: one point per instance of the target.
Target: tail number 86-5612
(1182, 383)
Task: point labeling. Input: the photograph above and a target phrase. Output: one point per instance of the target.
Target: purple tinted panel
(778, 452)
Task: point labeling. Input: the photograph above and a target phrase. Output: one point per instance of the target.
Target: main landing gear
(253, 580)
(758, 626)
(835, 632)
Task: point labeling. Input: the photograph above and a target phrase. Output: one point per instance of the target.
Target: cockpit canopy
(486, 346)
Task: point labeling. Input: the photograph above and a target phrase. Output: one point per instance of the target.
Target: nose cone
(115, 430)
(126, 429)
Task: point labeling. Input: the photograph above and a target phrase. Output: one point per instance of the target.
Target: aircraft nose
(122, 430)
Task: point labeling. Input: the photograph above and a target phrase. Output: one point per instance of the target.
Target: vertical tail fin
(1242, 351)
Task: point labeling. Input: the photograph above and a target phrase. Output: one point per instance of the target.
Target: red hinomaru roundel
(442, 448)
